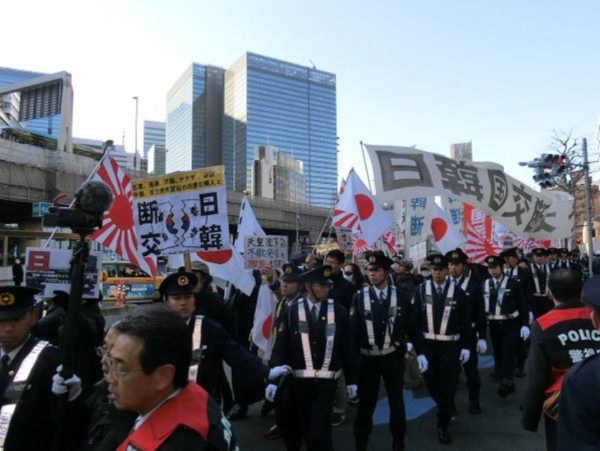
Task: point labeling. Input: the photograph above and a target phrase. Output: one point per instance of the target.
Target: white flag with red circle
(357, 209)
(445, 234)
(118, 232)
(263, 320)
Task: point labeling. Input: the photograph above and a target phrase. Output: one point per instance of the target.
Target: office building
(277, 175)
(157, 160)
(462, 151)
(194, 119)
(10, 103)
(154, 134)
(290, 106)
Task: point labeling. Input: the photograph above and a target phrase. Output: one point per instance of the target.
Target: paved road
(497, 429)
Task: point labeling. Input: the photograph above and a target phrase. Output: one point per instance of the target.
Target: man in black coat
(446, 323)
(211, 343)
(321, 324)
(461, 277)
(47, 328)
(209, 301)
(508, 319)
(27, 366)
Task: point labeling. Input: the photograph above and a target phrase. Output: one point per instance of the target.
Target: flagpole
(89, 177)
(366, 168)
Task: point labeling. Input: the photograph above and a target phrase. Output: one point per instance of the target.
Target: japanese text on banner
(271, 250)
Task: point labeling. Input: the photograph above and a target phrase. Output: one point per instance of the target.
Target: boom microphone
(94, 197)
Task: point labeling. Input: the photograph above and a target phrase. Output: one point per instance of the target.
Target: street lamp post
(136, 131)
(588, 204)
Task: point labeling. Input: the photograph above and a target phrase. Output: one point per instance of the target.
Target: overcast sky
(502, 74)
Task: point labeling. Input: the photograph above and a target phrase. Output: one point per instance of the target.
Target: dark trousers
(313, 400)
(472, 373)
(551, 428)
(372, 369)
(441, 378)
(505, 340)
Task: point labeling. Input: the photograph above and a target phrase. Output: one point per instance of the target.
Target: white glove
(409, 346)
(481, 346)
(61, 386)
(351, 391)
(530, 317)
(465, 354)
(277, 371)
(524, 332)
(423, 363)
(270, 392)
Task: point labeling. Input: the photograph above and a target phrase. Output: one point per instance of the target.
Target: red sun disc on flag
(439, 228)
(365, 206)
(218, 257)
(121, 213)
(266, 327)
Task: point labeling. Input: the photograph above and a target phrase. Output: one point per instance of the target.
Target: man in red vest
(559, 339)
(148, 374)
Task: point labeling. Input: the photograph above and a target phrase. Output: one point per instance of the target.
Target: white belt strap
(391, 315)
(500, 298)
(7, 411)
(196, 338)
(447, 308)
(309, 370)
(440, 337)
(536, 281)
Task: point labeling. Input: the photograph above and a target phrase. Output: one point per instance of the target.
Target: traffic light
(547, 168)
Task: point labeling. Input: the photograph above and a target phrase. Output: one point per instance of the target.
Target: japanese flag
(358, 210)
(445, 234)
(263, 320)
(247, 225)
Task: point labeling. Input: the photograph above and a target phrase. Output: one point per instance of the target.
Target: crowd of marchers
(155, 379)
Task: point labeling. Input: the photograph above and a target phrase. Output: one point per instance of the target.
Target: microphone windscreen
(94, 197)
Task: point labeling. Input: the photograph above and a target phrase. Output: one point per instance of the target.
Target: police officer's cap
(574, 253)
(457, 256)
(539, 252)
(181, 282)
(552, 251)
(510, 252)
(320, 274)
(60, 298)
(564, 251)
(16, 301)
(438, 261)
(291, 273)
(378, 260)
(591, 291)
(494, 260)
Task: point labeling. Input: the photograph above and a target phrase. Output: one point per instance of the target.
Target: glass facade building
(268, 101)
(194, 119)
(9, 103)
(154, 134)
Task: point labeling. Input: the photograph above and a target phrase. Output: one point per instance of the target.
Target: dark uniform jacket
(511, 302)
(210, 304)
(559, 339)
(579, 417)
(342, 291)
(474, 294)
(217, 346)
(288, 347)
(33, 423)
(539, 304)
(405, 319)
(525, 281)
(406, 283)
(459, 321)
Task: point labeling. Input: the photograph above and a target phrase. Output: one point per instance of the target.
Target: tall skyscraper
(287, 105)
(10, 103)
(194, 119)
(154, 134)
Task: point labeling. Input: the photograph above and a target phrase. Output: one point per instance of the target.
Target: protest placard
(271, 250)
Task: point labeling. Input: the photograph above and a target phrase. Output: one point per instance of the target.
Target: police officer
(446, 322)
(552, 258)
(383, 318)
(539, 272)
(290, 290)
(512, 269)
(507, 319)
(211, 343)
(461, 277)
(27, 367)
(579, 412)
(559, 339)
(315, 340)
